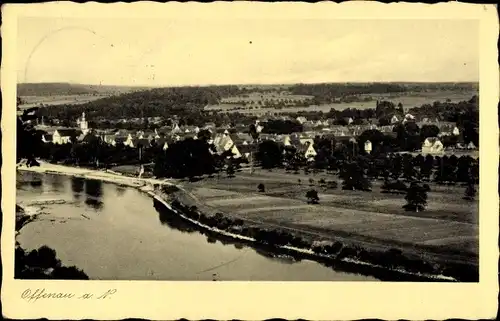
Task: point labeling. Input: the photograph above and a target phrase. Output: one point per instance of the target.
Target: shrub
(312, 197)
(261, 188)
(332, 184)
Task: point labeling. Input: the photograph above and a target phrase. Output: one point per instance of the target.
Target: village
(240, 143)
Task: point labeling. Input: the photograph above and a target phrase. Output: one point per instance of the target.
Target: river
(115, 233)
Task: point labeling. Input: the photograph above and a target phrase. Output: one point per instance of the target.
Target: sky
(164, 52)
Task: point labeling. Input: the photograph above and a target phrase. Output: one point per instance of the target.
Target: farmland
(35, 94)
(448, 227)
(33, 101)
(254, 103)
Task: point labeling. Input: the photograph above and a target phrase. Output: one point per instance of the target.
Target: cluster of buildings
(236, 138)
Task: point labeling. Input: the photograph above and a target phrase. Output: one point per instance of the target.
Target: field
(409, 100)
(35, 101)
(447, 228)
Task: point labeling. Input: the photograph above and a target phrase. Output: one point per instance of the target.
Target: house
(456, 131)
(139, 142)
(64, 136)
(191, 129)
(46, 138)
(223, 143)
(409, 117)
(307, 150)
(432, 145)
(368, 146)
(471, 146)
(287, 141)
(235, 151)
(176, 129)
(306, 140)
(394, 119)
(301, 119)
(209, 125)
(129, 141)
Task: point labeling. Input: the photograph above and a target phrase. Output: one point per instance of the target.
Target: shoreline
(142, 185)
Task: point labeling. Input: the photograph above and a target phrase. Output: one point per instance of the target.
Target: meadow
(35, 101)
(448, 228)
(407, 99)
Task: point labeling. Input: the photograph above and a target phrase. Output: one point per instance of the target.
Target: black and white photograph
(264, 149)
(361, 164)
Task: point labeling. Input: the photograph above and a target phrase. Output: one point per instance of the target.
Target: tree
(269, 154)
(311, 181)
(409, 171)
(230, 169)
(416, 198)
(426, 167)
(470, 191)
(312, 197)
(374, 136)
(354, 178)
(186, 158)
(261, 188)
(29, 141)
(396, 166)
(428, 131)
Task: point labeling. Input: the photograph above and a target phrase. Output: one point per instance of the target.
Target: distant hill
(165, 102)
(66, 89)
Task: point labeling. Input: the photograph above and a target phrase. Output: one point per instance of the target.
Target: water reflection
(93, 193)
(175, 222)
(279, 255)
(120, 190)
(77, 187)
(56, 182)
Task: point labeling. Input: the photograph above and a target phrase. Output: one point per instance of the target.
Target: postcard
(250, 160)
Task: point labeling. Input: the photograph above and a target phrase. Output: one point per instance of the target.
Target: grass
(448, 226)
(409, 100)
(31, 101)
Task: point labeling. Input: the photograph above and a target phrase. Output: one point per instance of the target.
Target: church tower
(84, 125)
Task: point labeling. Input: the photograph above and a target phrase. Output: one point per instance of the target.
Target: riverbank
(106, 176)
(387, 266)
(272, 238)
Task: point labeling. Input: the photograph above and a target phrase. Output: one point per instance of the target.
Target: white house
(46, 138)
(368, 146)
(301, 119)
(306, 140)
(286, 140)
(176, 129)
(64, 136)
(394, 119)
(235, 151)
(456, 131)
(129, 141)
(307, 150)
(432, 145)
(471, 146)
(409, 117)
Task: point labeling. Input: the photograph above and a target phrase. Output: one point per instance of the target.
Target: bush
(332, 184)
(394, 187)
(261, 188)
(312, 197)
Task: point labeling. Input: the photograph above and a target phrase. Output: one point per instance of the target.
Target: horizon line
(254, 84)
